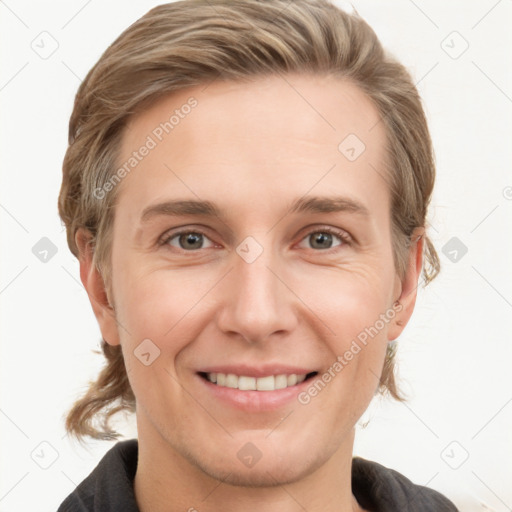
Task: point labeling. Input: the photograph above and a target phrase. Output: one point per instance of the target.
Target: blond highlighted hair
(193, 42)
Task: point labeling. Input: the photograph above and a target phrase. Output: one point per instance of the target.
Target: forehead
(262, 138)
(306, 106)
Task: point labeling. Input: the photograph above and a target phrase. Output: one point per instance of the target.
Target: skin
(252, 148)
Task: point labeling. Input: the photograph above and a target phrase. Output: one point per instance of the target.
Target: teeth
(245, 383)
(265, 383)
(281, 381)
(231, 381)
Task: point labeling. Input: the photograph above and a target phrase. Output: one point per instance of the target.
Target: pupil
(322, 237)
(193, 239)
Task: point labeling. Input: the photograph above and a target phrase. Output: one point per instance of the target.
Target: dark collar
(109, 488)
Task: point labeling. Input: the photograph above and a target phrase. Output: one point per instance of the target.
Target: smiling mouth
(246, 383)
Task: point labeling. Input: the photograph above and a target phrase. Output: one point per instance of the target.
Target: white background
(455, 355)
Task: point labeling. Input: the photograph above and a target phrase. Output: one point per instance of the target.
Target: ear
(95, 287)
(408, 285)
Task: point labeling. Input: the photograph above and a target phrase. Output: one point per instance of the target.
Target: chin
(269, 473)
(247, 466)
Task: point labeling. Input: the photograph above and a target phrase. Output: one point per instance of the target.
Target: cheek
(354, 306)
(171, 309)
(349, 297)
(156, 314)
(155, 306)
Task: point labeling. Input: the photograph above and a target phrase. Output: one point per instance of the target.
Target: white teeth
(231, 381)
(281, 381)
(245, 383)
(265, 383)
(292, 379)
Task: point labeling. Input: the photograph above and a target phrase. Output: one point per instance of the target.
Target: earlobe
(95, 287)
(409, 284)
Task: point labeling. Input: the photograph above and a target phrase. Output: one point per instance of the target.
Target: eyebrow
(311, 204)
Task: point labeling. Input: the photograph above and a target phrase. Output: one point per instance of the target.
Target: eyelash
(342, 235)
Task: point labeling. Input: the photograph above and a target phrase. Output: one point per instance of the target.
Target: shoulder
(377, 487)
(109, 485)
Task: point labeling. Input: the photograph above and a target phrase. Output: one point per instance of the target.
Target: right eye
(186, 240)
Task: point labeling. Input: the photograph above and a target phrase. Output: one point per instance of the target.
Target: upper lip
(257, 371)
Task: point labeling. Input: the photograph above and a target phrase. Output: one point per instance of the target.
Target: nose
(258, 303)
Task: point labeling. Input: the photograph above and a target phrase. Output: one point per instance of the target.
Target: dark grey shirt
(109, 487)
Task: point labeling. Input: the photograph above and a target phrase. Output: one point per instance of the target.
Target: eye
(322, 238)
(187, 240)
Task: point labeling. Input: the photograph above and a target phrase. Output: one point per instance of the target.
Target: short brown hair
(192, 42)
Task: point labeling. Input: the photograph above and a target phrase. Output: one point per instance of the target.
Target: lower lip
(255, 401)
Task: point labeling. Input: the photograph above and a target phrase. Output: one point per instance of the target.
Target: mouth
(250, 383)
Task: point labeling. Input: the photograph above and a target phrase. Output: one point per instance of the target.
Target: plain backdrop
(454, 434)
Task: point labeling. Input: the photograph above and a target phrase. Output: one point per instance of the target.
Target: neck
(167, 481)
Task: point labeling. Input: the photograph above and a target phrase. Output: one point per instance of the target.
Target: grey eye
(188, 240)
(322, 240)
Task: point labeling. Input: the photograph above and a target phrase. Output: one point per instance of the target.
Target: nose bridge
(257, 303)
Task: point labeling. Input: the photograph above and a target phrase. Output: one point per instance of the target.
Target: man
(246, 188)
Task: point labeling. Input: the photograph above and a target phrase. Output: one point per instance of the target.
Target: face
(252, 247)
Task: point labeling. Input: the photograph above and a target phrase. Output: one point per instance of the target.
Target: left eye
(323, 239)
